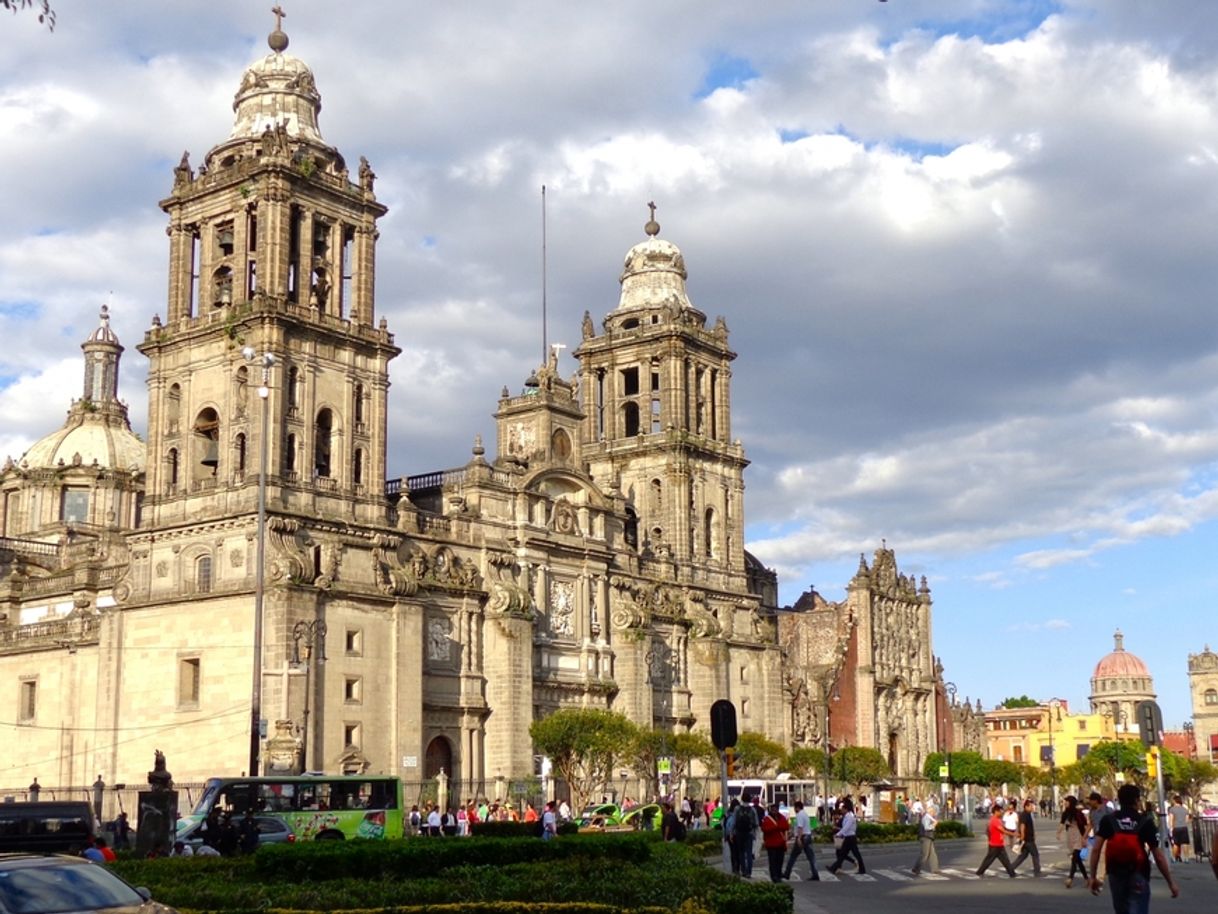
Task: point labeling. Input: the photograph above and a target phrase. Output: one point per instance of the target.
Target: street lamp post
(948, 787)
(1054, 707)
(830, 695)
(264, 393)
(312, 633)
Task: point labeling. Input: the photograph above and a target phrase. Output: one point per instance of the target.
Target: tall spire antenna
(545, 349)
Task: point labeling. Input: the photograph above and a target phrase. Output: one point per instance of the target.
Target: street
(888, 884)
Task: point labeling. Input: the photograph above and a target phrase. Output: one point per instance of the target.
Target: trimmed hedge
(892, 833)
(635, 871)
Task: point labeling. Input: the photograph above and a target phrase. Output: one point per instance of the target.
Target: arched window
(631, 532)
(222, 284)
(357, 467)
(203, 574)
(1211, 697)
(655, 496)
(171, 467)
(206, 444)
(241, 394)
(289, 455)
(293, 386)
(708, 533)
(359, 404)
(173, 408)
(560, 445)
(322, 441)
(630, 419)
(240, 449)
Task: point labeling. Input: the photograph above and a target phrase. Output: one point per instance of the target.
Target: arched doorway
(439, 755)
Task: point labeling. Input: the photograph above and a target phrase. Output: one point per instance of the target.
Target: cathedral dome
(86, 440)
(1120, 663)
(654, 273)
(277, 90)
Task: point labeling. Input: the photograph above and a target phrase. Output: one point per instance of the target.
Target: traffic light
(1152, 762)
(730, 755)
(1150, 722)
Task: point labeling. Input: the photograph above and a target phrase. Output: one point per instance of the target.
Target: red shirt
(996, 832)
(774, 830)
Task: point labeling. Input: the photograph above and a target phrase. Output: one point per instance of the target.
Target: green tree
(804, 761)
(1189, 776)
(757, 755)
(683, 749)
(46, 15)
(997, 772)
(584, 746)
(966, 767)
(1023, 701)
(859, 765)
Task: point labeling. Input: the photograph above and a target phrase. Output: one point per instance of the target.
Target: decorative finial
(1119, 639)
(652, 227)
(278, 39)
(104, 315)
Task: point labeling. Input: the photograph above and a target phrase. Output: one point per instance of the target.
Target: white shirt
(1010, 820)
(433, 819)
(849, 826)
(803, 825)
(547, 820)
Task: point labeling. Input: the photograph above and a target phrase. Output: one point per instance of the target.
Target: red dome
(1120, 663)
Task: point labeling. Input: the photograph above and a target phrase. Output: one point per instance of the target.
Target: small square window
(353, 690)
(354, 643)
(744, 708)
(351, 735)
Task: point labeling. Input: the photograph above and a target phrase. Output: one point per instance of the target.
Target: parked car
(32, 884)
(52, 827)
(645, 816)
(599, 815)
(271, 830)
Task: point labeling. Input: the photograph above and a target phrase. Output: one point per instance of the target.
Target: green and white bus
(314, 807)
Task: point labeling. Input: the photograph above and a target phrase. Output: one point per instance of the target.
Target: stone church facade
(593, 558)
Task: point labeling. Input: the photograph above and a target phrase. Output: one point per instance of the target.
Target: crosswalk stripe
(862, 877)
(937, 877)
(960, 873)
(894, 875)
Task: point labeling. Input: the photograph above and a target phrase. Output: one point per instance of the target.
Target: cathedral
(248, 586)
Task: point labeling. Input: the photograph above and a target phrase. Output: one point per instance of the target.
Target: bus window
(236, 798)
(383, 795)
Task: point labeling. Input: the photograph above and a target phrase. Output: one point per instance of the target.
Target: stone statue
(159, 777)
(366, 175)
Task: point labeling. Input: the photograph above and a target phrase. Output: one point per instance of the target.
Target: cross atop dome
(278, 39)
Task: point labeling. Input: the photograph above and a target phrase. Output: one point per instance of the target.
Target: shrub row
(633, 871)
(891, 833)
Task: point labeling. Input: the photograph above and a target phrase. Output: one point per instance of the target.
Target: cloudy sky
(966, 249)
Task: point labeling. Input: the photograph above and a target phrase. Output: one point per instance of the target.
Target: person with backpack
(1073, 826)
(743, 834)
(1127, 839)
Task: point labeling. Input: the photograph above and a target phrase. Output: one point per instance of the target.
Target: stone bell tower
(656, 391)
(272, 249)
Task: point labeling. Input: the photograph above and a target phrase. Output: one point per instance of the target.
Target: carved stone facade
(865, 665)
(596, 560)
(1203, 689)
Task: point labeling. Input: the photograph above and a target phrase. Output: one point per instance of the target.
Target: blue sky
(965, 249)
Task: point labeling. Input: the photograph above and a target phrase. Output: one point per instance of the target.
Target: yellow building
(1049, 734)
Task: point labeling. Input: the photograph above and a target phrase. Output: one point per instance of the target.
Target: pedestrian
(415, 822)
(1073, 827)
(433, 822)
(122, 831)
(847, 835)
(1010, 821)
(745, 831)
(671, 826)
(1096, 810)
(802, 840)
(729, 832)
(247, 833)
(996, 835)
(1177, 815)
(1027, 837)
(549, 822)
(774, 828)
(928, 857)
(1127, 839)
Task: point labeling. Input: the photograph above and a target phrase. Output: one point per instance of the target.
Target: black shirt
(1029, 826)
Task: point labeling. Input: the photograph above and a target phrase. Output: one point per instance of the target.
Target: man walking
(1128, 839)
(744, 828)
(802, 843)
(997, 849)
(1027, 837)
(847, 832)
(928, 857)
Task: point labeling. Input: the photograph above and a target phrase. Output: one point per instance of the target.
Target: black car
(55, 827)
(31, 884)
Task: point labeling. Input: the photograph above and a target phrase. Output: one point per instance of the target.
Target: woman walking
(1073, 825)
